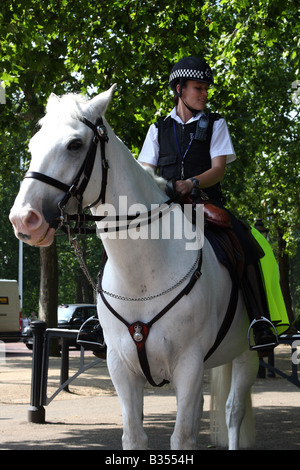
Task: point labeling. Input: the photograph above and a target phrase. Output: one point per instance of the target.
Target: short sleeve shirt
(220, 144)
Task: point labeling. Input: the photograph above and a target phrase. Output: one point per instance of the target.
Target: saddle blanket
(270, 275)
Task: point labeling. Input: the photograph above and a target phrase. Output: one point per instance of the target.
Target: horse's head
(59, 152)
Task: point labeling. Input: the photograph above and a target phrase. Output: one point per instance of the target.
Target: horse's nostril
(23, 236)
(33, 220)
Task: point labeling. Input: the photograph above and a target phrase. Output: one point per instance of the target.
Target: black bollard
(64, 370)
(36, 412)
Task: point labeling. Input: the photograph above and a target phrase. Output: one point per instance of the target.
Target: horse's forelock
(64, 107)
(76, 106)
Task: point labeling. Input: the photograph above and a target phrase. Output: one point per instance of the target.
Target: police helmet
(190, 68)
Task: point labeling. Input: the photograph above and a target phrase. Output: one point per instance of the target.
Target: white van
(10, 311)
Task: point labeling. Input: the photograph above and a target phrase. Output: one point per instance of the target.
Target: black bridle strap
(48, 180)
(99, 134)
(85, 170)
(127, 221)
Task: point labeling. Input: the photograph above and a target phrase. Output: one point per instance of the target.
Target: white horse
(144, 274)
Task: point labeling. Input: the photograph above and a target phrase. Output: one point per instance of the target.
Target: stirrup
(90, 335)
(265, 346)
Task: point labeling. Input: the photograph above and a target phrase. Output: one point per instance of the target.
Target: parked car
(69, 316)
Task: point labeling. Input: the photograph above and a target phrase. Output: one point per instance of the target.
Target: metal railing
(293, 340)
(40, 366)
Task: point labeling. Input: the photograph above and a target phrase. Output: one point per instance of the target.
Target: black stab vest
(197, 159)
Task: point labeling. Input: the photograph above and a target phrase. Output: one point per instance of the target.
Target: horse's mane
(161, 182)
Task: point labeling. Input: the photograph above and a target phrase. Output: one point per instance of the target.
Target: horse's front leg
(188, 383)
(130, 390)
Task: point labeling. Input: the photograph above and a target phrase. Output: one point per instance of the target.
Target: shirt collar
(174, 116)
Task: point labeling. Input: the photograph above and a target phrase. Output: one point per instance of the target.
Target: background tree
(85, 46)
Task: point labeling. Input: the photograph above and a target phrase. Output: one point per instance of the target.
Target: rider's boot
(264, 333)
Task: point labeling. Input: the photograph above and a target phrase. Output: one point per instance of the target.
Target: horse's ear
(100, 102)
(53, 98)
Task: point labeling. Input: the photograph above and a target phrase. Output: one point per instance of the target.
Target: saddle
(227, 249)
(218, 229)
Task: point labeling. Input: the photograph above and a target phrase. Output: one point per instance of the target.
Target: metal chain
(78, 252)
(154, 296)
(79, 255)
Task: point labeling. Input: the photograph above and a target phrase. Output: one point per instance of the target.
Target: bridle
(81, 180)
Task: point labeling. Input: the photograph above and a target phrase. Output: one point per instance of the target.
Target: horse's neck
(133, 258)
(128, 184)
(127, 177)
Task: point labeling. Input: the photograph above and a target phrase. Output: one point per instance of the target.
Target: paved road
(89, 418)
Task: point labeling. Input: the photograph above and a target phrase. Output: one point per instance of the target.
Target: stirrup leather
(270, 345)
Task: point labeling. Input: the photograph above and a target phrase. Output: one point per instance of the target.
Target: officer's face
(195, 94)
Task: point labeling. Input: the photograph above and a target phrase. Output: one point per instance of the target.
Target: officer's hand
(184, 187)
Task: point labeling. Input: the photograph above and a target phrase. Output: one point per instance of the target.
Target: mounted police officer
(193, 148)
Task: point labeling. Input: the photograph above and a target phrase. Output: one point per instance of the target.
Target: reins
(122, 222)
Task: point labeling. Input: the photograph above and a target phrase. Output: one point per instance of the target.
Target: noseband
(81, 180)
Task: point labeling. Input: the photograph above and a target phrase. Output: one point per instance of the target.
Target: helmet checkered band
(191, 74)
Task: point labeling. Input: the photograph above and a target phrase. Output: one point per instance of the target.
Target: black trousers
(252, 283)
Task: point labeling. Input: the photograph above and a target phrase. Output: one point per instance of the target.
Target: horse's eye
(75, 144)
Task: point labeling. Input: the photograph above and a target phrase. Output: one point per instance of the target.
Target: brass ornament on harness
(137, 335)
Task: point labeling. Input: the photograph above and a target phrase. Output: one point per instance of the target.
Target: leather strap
(229, 316)
(48, 180)
(141, 350)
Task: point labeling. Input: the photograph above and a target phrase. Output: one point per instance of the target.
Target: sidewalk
(89, 418)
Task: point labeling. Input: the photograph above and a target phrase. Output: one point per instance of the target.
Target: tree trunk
(49, 290)
(84, 291)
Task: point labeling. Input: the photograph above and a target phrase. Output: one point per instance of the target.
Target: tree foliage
(85, 46)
